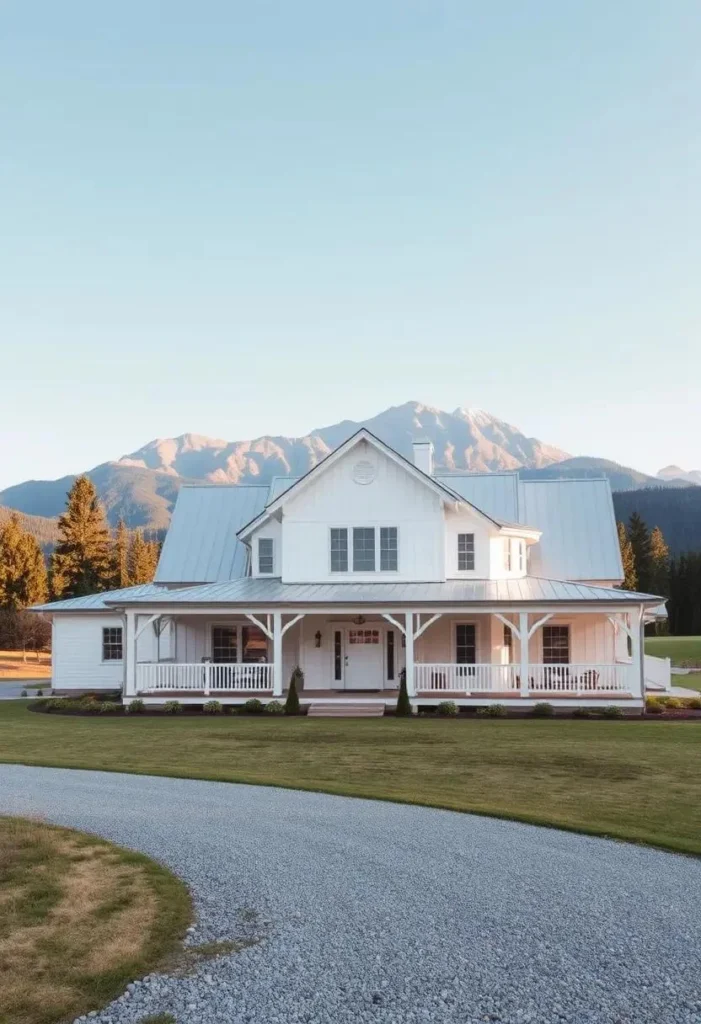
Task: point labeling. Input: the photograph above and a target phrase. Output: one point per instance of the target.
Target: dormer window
(507, 554)
(266, 559)
(466, 552)
(374, 549)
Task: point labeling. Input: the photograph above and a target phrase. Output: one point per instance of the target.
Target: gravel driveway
(386, 913)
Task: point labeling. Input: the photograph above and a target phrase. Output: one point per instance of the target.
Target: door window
(465, 643)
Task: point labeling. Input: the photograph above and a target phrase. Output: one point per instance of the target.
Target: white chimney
(423, 455)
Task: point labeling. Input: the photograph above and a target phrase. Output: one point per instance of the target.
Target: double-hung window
(363, 549)
(556, 645)
(466, 552)
(266, 561)
(339, 550)
(112, 643)
(388, 549)
(224, 644)
(372, 549)
(507, 554)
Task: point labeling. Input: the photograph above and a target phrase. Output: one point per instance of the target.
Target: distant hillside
(677, 512)
(45, 530)
(621, 478)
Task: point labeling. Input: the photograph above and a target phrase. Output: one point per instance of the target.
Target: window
(265, 555)
(466, 552)
(112, 643)
(363, 636)
(508, 639)
(224, 644)
(363, 549)
(466, 643)
(507, 554)
(390, 654)
(388, 548)
(339, 550)
(521, 556)
(337, 655)
(556, 645)
(254, 645)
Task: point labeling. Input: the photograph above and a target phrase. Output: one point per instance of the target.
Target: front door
(363, 659)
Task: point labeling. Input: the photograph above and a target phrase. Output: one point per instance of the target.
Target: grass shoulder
(81, 918)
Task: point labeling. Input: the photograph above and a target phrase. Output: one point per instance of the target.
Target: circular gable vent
(363, 472)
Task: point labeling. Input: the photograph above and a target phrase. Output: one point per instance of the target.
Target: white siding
(271, 529)
(393, 498)
(465, 522)
(77, 653)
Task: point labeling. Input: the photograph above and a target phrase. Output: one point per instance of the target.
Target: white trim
(536, 625)
(292, 622)
(146, 624)
(259, 624)
(394, 622)
(422, 629)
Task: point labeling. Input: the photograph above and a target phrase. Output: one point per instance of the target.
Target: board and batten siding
(77, 654)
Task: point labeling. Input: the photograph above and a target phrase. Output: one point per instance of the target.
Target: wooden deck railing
(206, 677)
(553, 679)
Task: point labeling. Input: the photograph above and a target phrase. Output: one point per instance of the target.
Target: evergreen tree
(639, 537)
(143, 559)
(81, 563)
(121, 575)
(659, 563)
(630, 577)
(23, 579)
(292, 701)
(403, 707)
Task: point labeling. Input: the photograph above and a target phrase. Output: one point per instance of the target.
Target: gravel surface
(376, 912)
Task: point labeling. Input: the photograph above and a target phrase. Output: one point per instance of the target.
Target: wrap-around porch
(511, 654)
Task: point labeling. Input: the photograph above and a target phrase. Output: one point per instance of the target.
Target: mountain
(621, 478)
(673, 474)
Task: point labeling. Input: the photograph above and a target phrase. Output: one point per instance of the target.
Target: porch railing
(553, 679)
(204, 678)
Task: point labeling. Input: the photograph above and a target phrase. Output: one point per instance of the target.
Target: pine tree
(659, 558)
(292, 701)
(403, 707)
(630, 577)
(81, 562)
(639, 537)
(23, 579)
(143, 559)
(121, 576)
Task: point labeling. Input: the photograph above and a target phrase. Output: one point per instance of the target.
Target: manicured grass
(80, 919)
(15, 665)
(629, 779)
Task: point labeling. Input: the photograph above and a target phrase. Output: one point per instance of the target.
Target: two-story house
(479, 587)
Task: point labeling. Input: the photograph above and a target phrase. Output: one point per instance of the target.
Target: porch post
(637, 668)
(524, 641)
(409, 653)
(130, 655)
(277, 654)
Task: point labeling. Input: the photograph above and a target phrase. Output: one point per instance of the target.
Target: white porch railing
(481, 679)
(206, 677)
(658, 673)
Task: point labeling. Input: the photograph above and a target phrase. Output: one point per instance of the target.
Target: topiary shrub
(447, 709)
(582, 713)
(274, 707)
(212, 707)
(492, 711)
(292, 700)
(40, 693)
(172, 707)
(653, 706)
(252, 707)
(23, 693)
(136, 707)
(543, 710)
(108, 707)
(612, 711)
(403, 708)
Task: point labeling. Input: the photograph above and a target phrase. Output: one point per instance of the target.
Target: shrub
(109, 707)
(492, 711)
(611, 711)
(581, 713)
(24, 693)
(447, 709)
(274, 707)
(136, 707)
(673, 704)
(172, 707)
(292, 701)
(694, 703)
(654, 706)
(403, 707)
(252, 707)
(543, 710)
(212, 707)
(40, 693)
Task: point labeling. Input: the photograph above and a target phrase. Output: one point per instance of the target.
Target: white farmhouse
(481, 588)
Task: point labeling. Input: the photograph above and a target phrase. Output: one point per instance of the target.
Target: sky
(236, 219)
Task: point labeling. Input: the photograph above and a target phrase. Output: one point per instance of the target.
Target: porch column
(277, 654)
(130, 655)
(637, 667)
(524, 640)
(409, 653)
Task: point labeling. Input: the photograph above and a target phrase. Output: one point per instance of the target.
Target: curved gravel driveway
(386, 913)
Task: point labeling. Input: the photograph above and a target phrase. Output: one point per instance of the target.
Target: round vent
(363, 472)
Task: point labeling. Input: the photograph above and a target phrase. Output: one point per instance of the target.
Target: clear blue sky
(237, 218)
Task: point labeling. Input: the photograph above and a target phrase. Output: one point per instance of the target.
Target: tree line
(648, 568)
(88, 558)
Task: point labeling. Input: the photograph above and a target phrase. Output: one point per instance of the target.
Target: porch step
(345, 709)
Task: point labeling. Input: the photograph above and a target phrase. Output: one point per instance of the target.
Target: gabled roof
(201, 544)
(98, 602)
(360, 435)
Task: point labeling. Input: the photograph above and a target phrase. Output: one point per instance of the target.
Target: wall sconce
(317, 639)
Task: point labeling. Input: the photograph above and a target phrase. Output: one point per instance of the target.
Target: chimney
(423, 455)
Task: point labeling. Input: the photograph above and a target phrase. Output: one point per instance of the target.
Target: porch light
(317, 639)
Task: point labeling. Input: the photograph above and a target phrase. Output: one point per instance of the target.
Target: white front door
(363, 659)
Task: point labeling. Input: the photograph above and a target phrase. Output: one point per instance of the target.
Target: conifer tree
(403, 707)
(120, 557)
(659, 559)
(292, 701)
(639, 537)
(630, 578)
(23, 579)
(143, 559)
(81, 562)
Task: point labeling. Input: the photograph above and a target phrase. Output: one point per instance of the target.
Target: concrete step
(345, 709)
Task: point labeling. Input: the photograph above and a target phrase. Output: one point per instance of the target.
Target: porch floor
(385, 696)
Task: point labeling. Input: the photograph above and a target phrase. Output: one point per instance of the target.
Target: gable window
(556, 645)
(339, 550)
(466, 643)
(224, 644)
(363, 549)
(388, 548)
(507, 554)
(466, 552)
(265, 555)
(112, 643)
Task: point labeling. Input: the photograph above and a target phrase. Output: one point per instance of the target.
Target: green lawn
(683, 650)
(633, 780)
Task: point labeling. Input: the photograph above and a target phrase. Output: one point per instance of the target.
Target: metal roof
(530, 589)
(201, 544)
(280, 484)
(96, 602)
(496, 494)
